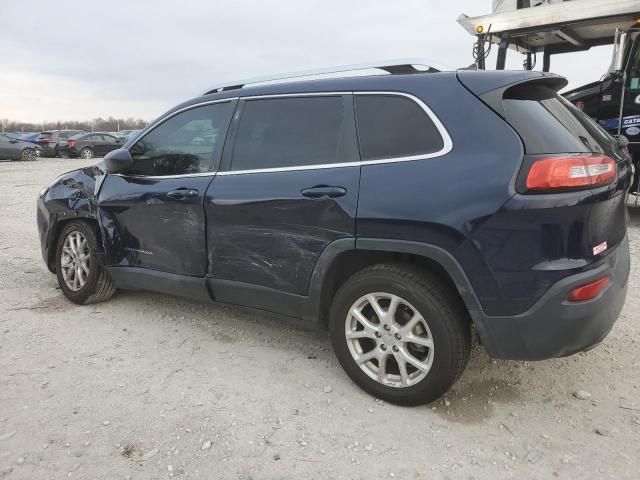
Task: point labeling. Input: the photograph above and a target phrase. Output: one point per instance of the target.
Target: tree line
(97, 124)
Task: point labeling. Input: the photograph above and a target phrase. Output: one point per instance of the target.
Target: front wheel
(28, 155)
(86, 153)
(81, 277)
(400, 333)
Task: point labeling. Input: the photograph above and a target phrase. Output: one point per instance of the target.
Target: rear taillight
(588, 291)
(71, 143)
(568, 172)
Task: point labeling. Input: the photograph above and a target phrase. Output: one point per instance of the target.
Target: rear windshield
(547, 123)
(45, 135)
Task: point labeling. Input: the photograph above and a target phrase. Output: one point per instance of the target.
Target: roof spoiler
(490, 86)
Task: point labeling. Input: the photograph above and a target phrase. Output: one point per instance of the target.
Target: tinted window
(293, 132)
(183, 144)
(109, 139)
(549, 124)
(391, 126)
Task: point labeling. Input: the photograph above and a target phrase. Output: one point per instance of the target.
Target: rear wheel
(400, 333)
(81, 277)
(86, 153)
(28, 155)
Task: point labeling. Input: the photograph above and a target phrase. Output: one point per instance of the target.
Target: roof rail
(404, 66)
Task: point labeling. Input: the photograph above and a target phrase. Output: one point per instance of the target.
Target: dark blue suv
(402, 211)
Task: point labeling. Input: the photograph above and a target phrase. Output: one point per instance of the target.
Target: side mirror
(118, 161)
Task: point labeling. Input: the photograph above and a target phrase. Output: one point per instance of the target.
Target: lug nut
(395, 348)
(378, 334)
(398, 336)
(387, 328)
(383, 347)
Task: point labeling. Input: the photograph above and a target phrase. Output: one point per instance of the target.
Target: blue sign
(612, 124)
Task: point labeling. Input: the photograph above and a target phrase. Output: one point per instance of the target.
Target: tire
(97, 285)
(86, 153)
(443, 322)
(28, 155)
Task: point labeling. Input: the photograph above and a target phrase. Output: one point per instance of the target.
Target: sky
(78, 59)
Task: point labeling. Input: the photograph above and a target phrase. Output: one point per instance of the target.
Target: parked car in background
(51, 141)
(89, 145)
(123, 133)
(131, 135)
(14, 149)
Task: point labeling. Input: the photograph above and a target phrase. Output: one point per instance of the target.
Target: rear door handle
(324, 191)
(183, 193)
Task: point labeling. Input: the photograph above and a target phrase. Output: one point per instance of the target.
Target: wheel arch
(56, 230)
(342, 258)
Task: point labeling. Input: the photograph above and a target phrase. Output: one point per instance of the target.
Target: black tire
(86, 153)
(446, 316)
(99, 286)
(28, 155)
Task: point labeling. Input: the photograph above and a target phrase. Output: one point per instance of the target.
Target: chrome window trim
(446, 138)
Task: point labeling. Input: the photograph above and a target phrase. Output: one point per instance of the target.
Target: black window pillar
(546, 63)
(502, 54)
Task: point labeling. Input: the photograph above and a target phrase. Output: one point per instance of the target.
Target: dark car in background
(14, 149)
(89, 145)
(51, 141)
(338, 202)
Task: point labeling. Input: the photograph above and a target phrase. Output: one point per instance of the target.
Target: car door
(152, 215)
(289, 188)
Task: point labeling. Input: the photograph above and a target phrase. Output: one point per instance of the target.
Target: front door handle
(183, 193)
(324, 191)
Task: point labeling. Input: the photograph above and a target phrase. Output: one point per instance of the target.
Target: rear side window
(294, 132)
(391, 126)
(549, 124)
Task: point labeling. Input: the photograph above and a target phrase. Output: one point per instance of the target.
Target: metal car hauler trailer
(551, 27)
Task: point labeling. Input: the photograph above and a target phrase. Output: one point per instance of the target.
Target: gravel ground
(150, 386)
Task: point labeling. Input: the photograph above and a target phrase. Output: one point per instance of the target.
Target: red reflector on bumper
(588, 291)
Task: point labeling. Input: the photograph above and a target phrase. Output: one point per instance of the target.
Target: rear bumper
(554, 327)
(48, 150)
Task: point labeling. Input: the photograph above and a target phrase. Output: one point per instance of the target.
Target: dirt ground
(148, 386)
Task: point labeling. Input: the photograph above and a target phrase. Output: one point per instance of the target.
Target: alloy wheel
(28, 155)
(86, 153)
(75, 261)
(389, 340)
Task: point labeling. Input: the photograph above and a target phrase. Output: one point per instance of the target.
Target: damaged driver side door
(152, 215)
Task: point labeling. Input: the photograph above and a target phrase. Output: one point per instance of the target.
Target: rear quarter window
(547, 123)
(392, 126)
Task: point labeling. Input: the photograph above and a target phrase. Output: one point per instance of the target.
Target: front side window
(109, 139)
(294, 132)
(184, 144)
(391, 126)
